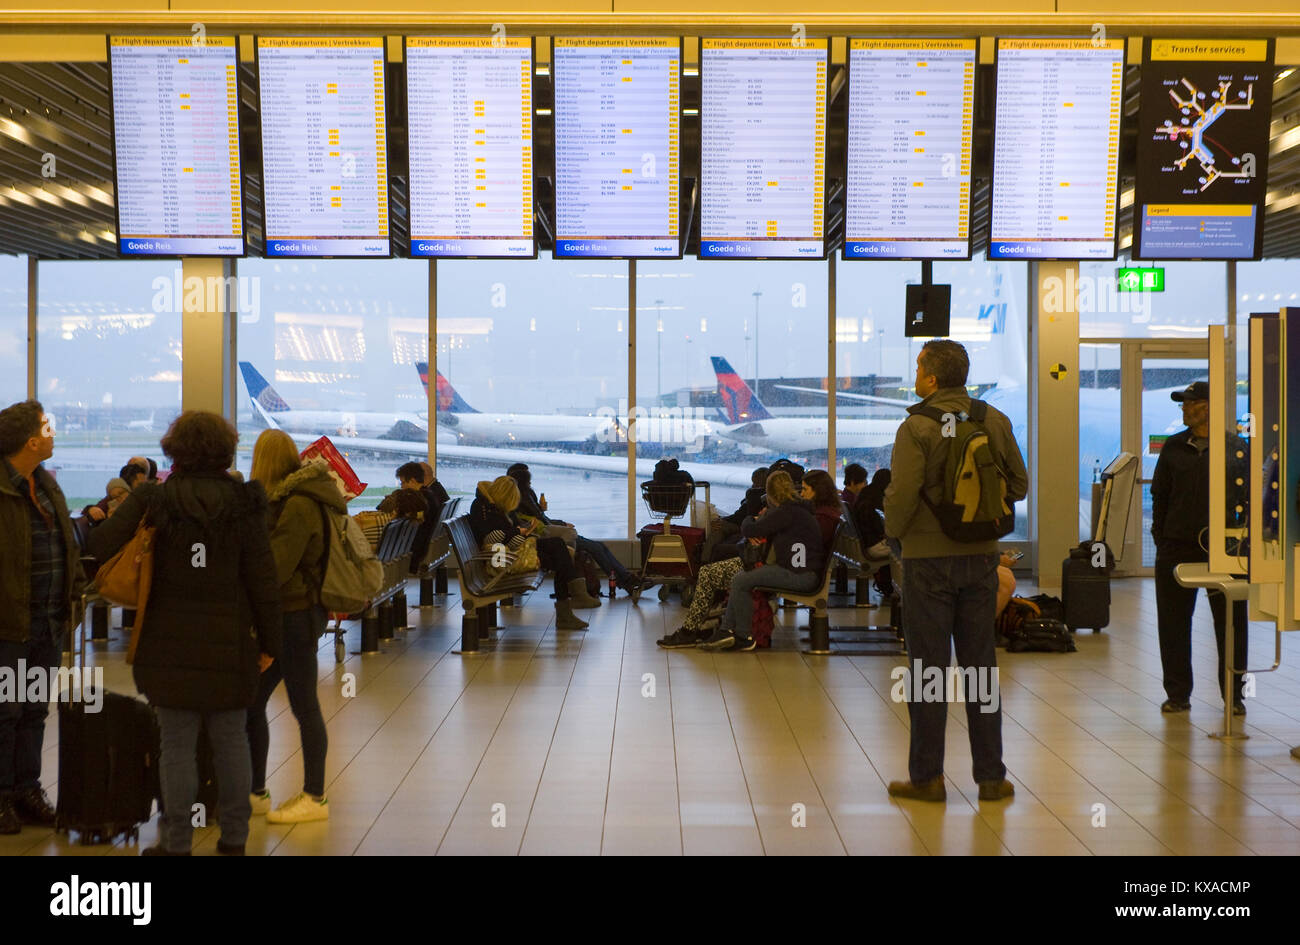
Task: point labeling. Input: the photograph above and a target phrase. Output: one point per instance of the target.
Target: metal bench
(386, 611)
(819, 626)
(432, 571)
(480, 589)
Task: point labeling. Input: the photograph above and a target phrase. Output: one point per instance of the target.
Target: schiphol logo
(77, 898)
(41, 684)
(677, 426)
(947, 684)
(175, 293)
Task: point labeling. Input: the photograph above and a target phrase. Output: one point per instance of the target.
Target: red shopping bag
(349, 484)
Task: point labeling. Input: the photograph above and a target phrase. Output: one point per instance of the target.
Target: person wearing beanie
(489, 517)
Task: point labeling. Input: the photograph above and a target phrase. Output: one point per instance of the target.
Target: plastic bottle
(613, 584)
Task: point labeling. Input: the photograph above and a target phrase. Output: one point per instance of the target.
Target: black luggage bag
(1085, 589)
(108, 768)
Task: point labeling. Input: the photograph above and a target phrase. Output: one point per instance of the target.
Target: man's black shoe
(9, 822)
(1171, 706)
(1239, 708)
(680, 639)
(33, 807)
(745, 644)
(230, 849)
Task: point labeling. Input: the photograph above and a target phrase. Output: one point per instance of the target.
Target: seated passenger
(795, 562)
(1006, 582)
(489, 518)
(855, 480)
(406, 504)
(410, 478)
(819, 492)
(724, 532)
(534, 508)
(133, 475)
(116, 491)
(869, 520)
(433, 491)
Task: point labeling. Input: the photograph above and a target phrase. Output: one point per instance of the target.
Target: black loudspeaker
(928, 311)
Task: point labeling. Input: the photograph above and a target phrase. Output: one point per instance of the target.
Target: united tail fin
(740, 404)
(448, 400)
(260, 392)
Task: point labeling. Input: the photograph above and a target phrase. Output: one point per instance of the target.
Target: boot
(565, 618)
(578, 595)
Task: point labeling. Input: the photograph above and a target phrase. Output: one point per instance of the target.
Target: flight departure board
(763, 148)
(911, 115)
(1056, 148)
(324, 146)
(617, 108)
(470, 135)
(1202, 154)
(176, 146)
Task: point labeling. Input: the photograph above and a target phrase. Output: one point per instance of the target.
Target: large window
(13, 329)
(1194, 296)
(109, 366)
(533, 362)
(720, 347)
(875, 359)
(331, 348)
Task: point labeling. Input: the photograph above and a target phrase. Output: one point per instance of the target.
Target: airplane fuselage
(344, 423)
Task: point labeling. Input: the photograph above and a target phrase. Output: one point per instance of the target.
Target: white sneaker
(300, 809)
(261, 803)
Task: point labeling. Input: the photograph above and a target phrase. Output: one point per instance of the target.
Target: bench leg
(426, 592)
(862, 590)
(482, 619)
(787, 604)
(491, 622)
(370, 631)
(841, 580)
(128, 618)
(469, 631)
(400, 611)
(385, 620)
(440, 581)
(99, 622)
(819, 633)
(507, 601)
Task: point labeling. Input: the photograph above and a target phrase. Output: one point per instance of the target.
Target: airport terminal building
(590, 238)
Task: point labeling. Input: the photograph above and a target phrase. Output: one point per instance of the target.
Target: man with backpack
(956, 476)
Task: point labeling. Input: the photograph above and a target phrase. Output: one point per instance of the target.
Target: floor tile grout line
(804, 757)
(488, 746)
(546, 761)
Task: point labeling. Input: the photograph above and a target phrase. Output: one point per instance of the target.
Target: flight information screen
(1202, 155)
(470, 127)
(176, 146)
(911, 115)
(324, 146)
(763, 148)
(1056, 148)
(617, 107)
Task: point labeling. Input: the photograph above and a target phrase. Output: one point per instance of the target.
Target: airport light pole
(758, 294)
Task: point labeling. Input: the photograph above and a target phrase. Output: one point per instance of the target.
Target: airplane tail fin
(448, 400)
(260, 392)
(739, 402)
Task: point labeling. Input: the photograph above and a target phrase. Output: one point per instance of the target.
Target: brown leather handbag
(125, 578)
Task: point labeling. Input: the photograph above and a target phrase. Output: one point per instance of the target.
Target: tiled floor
(599, 742)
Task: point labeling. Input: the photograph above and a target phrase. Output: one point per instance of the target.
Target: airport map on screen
(470, 136)
(911, 115)
(1056, 148)
(324, 146)
(1202, 153)
(176, 146)
(617, 107)
(763, 148)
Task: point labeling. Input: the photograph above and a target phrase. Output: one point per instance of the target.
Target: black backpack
(973, 506)
(1040, 635)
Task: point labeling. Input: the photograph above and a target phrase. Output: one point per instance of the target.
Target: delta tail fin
(260, 392)
(448, 400)
(740, 404)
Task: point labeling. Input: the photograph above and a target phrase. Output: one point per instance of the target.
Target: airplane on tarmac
(473, 427)
(274, 411)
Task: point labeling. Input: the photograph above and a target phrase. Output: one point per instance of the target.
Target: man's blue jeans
(603, 557)
(949, 601)
(180, 774)
(22, 724)
(739, 618)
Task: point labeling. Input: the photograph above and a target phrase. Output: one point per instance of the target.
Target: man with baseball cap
(1180, 518)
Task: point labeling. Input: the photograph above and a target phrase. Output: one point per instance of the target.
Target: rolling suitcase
(108, 768)
(1085, 589)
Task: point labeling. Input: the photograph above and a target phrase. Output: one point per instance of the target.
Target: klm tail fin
(448, 400)
(261, 393)
(739, 402)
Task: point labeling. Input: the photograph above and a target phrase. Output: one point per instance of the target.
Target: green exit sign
(1140, 280)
